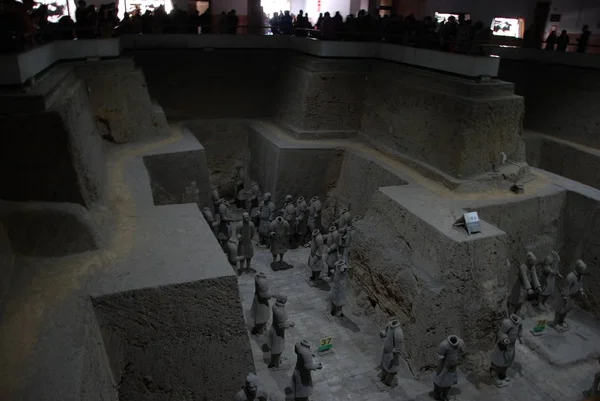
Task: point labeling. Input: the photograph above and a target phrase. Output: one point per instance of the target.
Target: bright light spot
(511, 27)
(443, 17)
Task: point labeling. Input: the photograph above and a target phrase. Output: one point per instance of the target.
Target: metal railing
(473, 46)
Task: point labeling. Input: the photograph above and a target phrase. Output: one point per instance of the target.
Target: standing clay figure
(594, 391)
(251, 391)
(224, 222)
(550, 270)
(254, 195)
(302, 221)
(302, 385)
(289, 215)
(344, 218)
(260, 305)
(503, 356)
(231, 249)
(238, 179)
(216, 200)
(208, 216)
(393, 350)
(315, 259)
(314, 214)
(280, 234)
(345, 242)
(526, 285)
(332, 241)
(445, 376)
(266, 210)
(339, 288)
(244, 233)
(277, 332)
(572, 287)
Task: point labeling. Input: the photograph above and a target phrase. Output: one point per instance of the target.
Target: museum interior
(319, 200)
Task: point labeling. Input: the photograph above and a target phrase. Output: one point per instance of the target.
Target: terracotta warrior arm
(535, 281)
(310, 364)
(503, 331)
(523, 277)
(441, 357)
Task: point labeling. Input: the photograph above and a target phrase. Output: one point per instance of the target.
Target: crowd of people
(560, 43)
(25, 26)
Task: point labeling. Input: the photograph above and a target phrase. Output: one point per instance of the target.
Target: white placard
(472, 222)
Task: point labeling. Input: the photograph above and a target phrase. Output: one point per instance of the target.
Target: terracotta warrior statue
(572, 287)
(302, 385)
(251, 391)
(339, 288)
(253, 195)
(314, 214)
(315, 259)
(280, 234)
(277, 332)
(445, 376)
(208, 216)
(526, 285)
(266, 211)
(332, 241)
(289, 215)
(503, 356)
(260, 310)
(345, 242)
(244, 233)
(393, 350)
(302, 221)
(231, 249)
(239, 178)
(224, 222)
(216, 200)
(550, 270)
(594, 391)
(344, 218)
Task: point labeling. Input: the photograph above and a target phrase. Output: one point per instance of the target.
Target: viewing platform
(16, 69)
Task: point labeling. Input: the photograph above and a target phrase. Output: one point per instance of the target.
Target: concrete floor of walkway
(351, 371)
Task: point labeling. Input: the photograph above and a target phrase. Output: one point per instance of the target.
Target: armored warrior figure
(280, 233)
(208, 216)
(224, 222)
(503, 356)
(260, 305)
(550, 271)
(216, 200)
(315, 259)
(344, 218)
(302, 385)
(289, 215)
(526, 285)
(239, 178)
(339, 288)
(253, 203)
(302, 220)
(445, 376)
(393, 350)
(245, 232)
(332, 241)
(572, 287)
(251, 391)
(266, 211)
(345, 242)
(277, 332)
(314, 214)
(231, 249)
